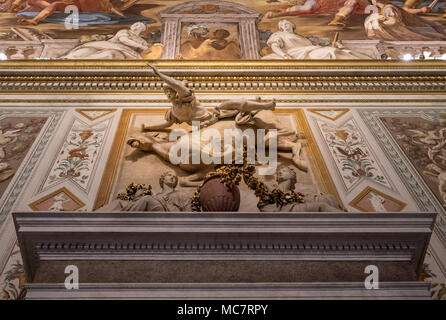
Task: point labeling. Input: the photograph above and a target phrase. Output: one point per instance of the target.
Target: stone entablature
(396, 242)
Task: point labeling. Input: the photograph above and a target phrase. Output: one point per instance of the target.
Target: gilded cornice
(215, 77)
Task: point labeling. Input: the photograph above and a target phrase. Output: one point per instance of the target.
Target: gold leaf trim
(34, 204)
(366, 191)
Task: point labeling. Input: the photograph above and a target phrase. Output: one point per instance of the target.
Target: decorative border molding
(429, 65)
(366, 191)
(15, 188)
(346, 77)
(279, 99)
(107, 111)
(109, 175)
(317, 112)
(417, 188)
(223, 236)
(27, 168)
(34, 205)
(217, 84)
(206, 291)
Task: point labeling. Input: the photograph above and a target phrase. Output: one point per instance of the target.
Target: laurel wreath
(231, 174)
(132, 190)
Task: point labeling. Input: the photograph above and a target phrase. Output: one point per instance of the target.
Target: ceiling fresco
(222, 30)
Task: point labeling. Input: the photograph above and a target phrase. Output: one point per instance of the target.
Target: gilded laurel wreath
(135, 191)
(231, 175)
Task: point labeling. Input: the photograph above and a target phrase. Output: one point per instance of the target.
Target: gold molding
(315, 111)
(279, 100)
(34, 204)
(81, 111)
(109, 176)
(323, 176)
(215, 64)
(81, 77)
(366, 191)
(220, 92)
(209, 77)
(111, 168)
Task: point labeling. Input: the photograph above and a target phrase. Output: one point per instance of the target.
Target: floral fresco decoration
(353, 156)
(16, 136)
(78, 155)
(14, 282)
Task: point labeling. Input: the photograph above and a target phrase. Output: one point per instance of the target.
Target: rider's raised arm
(176, 85)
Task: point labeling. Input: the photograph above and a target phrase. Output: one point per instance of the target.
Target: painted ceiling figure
(5, 171)
(126, 44)
(48, 7)
(215, 47)
(401, 24)
(343, 9)
(357, 6)
(12, 5)
(286, 44)
(91, 12)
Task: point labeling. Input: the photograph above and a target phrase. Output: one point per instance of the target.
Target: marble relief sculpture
(286, 180)
(168, 199)
(230, 115)
(186, 108)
